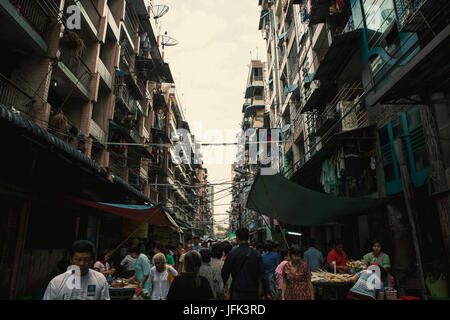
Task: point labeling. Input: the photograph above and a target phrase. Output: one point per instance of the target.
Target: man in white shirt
(79, 282)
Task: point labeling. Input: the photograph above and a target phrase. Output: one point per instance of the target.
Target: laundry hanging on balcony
(279, 198)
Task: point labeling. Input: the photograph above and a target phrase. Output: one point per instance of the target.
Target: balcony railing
(97, 132)
(117, 164)
(38, 13)
(13, 96)
(92, 12)
(78, 68)
(131, 21)
(123, 95)
(135, 136)
(126, 59)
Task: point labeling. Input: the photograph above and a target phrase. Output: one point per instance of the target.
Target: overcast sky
(210, 68)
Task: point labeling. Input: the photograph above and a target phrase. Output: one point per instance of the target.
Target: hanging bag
(170, 276)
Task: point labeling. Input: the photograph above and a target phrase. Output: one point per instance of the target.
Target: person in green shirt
(142, 273)
(160, 248)
(170, 260)
(378, 258)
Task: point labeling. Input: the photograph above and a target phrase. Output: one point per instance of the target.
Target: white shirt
(93, 286)
(160, 282)
(129, 262)
(100, 267)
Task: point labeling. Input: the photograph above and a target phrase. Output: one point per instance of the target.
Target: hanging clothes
(340, 4)
(340, 164)
(373, 163)
(304, 15)
(328, 177)
(352, 161)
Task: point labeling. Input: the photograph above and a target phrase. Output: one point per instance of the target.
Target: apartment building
(353, 77)
(256, 117)
(89, 113)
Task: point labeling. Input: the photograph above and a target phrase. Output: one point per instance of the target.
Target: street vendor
(103, 265)
(378, 258)
(368, 286)
(338, 256)
(129, 262)
(142, 273)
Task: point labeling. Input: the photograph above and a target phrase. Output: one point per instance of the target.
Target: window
(357, 14)
(378, 14)
(413, 118)
(409, 125)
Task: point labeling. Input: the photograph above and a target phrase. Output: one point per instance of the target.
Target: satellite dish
(168, 41)
(159, 10)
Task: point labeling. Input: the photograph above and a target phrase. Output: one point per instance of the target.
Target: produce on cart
(323, 276)
(357, 265)
(121, 289)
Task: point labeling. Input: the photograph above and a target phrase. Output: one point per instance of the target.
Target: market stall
(335, 286)
(119, 289)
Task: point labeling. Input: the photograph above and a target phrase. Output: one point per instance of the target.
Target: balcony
(105, 75)
(117, 164)
(415, 15)
(38, 14)
(131, 21)
(92, 12)
(97, 132)
(318, 95)
(252, 91)
(342, 48)
(90, 18)
(112, 23)
(320, 10)
(123, 95)
(80, 72)
(135, 135)
(13, 96)
(126, 58)
(325, 122)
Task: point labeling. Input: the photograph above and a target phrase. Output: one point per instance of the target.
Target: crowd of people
(212, 270)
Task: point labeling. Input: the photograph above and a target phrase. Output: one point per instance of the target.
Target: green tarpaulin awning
(297, 205)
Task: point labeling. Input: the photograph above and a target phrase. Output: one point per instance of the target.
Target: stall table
(121, 293)
(332, 290)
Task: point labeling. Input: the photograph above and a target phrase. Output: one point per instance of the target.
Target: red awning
(146, 214)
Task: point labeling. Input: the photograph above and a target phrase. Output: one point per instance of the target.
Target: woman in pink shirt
(284, 254)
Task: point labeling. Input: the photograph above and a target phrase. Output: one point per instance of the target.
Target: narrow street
(171, 150)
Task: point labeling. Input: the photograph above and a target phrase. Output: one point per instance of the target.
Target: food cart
(121, 290)
(335, 286)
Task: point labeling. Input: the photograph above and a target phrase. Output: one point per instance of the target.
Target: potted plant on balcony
(71, 41)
